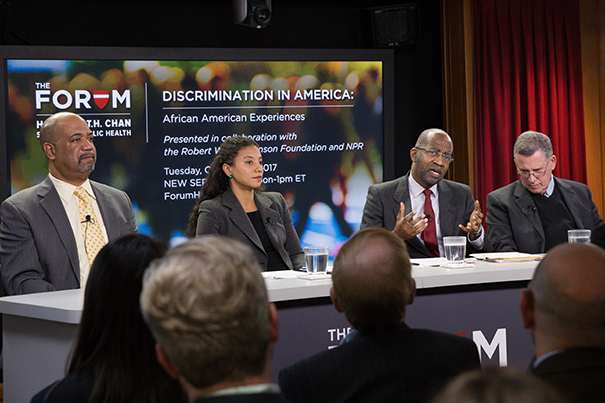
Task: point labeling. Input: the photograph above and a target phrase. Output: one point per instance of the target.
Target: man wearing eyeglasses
(533, 214)
(421, 207)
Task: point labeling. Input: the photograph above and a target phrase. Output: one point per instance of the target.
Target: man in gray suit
(564, 309)
(534, 213)
(42, 237)
(421, 207)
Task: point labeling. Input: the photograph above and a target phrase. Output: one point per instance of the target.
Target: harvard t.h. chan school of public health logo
(101, 98)
(81, 99)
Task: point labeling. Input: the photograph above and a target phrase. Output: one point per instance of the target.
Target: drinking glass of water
(317, 259)
(455, 249)
(578, 235)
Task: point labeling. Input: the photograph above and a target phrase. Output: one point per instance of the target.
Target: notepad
(507, 257)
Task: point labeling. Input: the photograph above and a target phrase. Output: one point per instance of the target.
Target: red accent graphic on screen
(101, 98)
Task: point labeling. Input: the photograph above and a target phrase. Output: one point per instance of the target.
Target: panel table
(479, 302)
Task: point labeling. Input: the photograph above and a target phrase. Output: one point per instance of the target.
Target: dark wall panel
(204, 23)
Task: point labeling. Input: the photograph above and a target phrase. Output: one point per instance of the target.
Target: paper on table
(500, 257)
(429, 262)
(314, 276)
(465, 265)
(278, 275)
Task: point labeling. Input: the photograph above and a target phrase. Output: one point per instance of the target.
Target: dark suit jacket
(37, 245)
(395, 365)
(456, 204)
(251, 398)
(513, 222)
(224, 215)
(578, 373)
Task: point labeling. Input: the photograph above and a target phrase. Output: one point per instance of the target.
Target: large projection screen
(323, 120)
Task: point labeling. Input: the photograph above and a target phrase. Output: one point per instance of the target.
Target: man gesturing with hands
(421, 207)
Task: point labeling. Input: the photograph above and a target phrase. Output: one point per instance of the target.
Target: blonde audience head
(207, 306)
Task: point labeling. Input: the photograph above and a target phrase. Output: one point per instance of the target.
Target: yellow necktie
(91, 230)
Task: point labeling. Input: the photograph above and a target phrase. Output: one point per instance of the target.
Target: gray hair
(206, 304)
(529, 142)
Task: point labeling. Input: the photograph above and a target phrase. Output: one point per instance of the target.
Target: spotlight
(252, 13)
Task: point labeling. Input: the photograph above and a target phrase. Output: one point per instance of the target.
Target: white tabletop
(480, 273)
(66, 306)
(59, 306)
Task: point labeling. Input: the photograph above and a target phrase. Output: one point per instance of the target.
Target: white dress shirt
(551, 187)
(417, 201)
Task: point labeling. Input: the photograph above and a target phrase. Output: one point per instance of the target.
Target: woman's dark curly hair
(216, 180)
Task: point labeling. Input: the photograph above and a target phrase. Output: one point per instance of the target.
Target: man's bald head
(372, 279)
(68, 144)
(568, 291)
(426, 136)
(48, 131)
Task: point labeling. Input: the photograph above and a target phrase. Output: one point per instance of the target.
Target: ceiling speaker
(396, 25)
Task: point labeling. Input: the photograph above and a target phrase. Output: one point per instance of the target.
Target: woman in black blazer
(230, 205)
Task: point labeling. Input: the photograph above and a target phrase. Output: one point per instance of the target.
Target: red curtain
(528, 76)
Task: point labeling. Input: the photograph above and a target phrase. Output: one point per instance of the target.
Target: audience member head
(69, 147)
(216, 180)
(113, 340)
(597, 236)
(564, 304)
(497, 385)
(206, 304)
(431, 157)
(372, 279)
(535, 161)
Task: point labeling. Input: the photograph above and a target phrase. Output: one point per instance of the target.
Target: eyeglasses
(525, 174)
(447, 157)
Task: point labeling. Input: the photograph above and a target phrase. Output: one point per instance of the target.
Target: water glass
(316, 258)
(578, 235)
(455, 249)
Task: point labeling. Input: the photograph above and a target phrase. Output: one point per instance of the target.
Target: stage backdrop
(158, 124)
